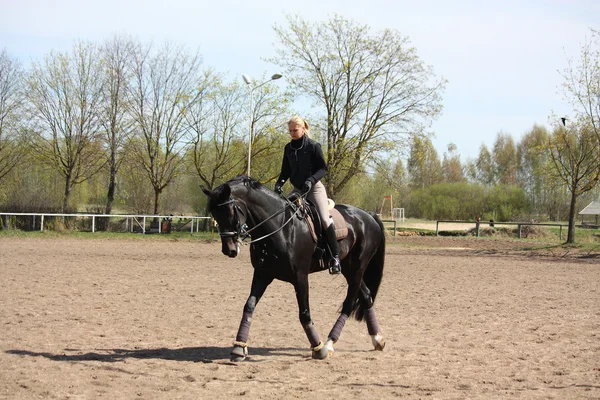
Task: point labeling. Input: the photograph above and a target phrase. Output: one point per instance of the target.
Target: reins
(243, 234)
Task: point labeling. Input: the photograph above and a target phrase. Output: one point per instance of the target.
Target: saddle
(311, 216)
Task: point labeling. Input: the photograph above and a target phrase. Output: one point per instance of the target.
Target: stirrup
(334, 266)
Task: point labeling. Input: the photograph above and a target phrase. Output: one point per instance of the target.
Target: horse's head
(227, 213)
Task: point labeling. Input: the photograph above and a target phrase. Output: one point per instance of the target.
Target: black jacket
(302, 160)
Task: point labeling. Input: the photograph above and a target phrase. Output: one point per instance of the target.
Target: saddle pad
(341, 228)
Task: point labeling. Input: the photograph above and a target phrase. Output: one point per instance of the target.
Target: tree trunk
(110, 197)
(67, 195)
(156, 200)
(571, 233)
(111, 189)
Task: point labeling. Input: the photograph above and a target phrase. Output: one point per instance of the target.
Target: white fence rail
(130, 219)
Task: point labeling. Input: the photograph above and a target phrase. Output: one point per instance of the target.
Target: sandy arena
(155, 319)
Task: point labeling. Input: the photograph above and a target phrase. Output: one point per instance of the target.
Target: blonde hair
(296, 120)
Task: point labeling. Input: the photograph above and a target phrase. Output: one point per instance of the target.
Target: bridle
(242, 232)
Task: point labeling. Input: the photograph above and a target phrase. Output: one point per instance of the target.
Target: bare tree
(116, 58)
(581, 85)
(373, 89)
(11, 105)
(217, 130)
(65, 93)
(270, 113)
(164, 87)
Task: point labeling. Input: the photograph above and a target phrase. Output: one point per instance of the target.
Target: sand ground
(155, 319)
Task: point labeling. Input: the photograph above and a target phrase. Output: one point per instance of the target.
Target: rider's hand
(278, 188)
(307, 186)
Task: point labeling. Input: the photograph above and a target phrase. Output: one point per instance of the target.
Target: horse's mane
(245, 180)
(252, 185)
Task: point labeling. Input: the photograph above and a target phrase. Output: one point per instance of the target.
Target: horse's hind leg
(318, 349)
(370, 318)
(336, 331)
(240, 346)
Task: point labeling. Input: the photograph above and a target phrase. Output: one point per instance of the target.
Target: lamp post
(252, 89)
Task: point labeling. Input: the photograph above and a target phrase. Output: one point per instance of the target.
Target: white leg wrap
(378, 341)
(329, 346)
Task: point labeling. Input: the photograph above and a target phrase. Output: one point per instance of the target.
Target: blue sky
(501, 58)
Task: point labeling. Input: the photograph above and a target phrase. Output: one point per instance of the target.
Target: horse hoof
(329, 346)
(320, 352)
(238, 353)
(378, 342)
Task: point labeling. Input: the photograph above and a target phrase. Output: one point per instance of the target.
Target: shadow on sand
(206, 354)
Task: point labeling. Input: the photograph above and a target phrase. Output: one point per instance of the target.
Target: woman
(304, 165)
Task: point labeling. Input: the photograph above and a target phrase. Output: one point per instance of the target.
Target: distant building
(592, 209)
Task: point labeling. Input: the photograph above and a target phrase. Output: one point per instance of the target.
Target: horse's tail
(374, 272)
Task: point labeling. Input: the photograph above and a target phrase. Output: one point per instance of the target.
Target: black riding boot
(334, 264)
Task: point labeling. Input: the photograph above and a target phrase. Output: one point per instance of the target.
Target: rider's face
(296, 131)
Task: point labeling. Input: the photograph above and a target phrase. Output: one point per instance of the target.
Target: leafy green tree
(133, 189)
(449, 201)
(574, 151)
(452, 170)
(216, 126)
(372, 89)
(506, 163)
(117, 126)
(424, 167)
(507, 202)
(65, 94)
(533, 162)
(11, 108)
(574, 147)
(470, 171)
(486, 173)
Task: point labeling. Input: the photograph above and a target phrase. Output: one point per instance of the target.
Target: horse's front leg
(240, 346)
(318, 349)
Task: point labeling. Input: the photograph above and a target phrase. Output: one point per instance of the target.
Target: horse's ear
(206, 191)
(221, 193)
(226, 191)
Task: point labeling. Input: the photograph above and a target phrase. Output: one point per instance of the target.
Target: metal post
(437, 224)
(42, 224)
(93, 223)
(251, 129)
(144, 226)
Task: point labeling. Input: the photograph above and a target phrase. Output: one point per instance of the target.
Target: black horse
(282, 248)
